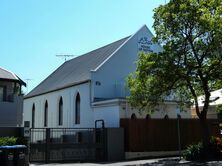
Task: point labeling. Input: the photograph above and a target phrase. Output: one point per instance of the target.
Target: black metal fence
(67, 144)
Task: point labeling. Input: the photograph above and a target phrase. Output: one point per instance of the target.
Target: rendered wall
(11, 112)
(169, 109)
(68, 95)
(113, 73)
(110, 115)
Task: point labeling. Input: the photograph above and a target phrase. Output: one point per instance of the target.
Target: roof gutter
(13, 80)
(61, 88)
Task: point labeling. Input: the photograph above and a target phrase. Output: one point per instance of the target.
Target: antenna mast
(27, 84)
(65, 56)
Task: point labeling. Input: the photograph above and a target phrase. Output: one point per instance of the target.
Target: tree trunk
(205, 134)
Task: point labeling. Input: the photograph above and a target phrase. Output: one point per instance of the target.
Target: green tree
(191, 61)
(218, 85)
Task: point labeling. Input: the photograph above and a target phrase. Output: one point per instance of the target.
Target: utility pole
(65, 56)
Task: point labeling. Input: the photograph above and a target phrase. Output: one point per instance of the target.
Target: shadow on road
(172, 162)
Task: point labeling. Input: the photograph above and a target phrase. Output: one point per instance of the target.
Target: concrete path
(150, 162)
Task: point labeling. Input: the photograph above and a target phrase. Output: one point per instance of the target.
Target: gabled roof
(9, 76)
(76, 70)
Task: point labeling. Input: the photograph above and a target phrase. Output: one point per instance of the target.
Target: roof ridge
(126, 40)
(99, 48)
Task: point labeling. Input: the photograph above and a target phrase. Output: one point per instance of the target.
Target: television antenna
(65, 56)
(27, 83)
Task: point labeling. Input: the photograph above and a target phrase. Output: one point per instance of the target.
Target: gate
(67, 144)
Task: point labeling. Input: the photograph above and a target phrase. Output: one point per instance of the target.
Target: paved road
(150, 162)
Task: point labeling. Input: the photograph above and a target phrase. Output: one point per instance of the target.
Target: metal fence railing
(66, 144)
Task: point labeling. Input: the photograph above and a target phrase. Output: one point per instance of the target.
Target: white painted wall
(164, 109)
(110, 115)
(68, 95)
(113, 73)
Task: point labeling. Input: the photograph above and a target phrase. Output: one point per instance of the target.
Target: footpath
(171, 161)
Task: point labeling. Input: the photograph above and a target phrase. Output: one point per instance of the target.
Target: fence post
(178, 134)
(104, 142)
(47, 148)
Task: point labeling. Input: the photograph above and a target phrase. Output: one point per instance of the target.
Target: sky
(33, 32)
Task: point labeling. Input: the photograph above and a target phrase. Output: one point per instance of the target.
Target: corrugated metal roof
(7, 75)
(76, 70)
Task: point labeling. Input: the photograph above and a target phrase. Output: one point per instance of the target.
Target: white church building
(92, 86)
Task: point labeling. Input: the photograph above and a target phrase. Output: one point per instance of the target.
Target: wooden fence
(145, 135)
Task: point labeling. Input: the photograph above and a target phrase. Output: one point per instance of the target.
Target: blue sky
(33, 32)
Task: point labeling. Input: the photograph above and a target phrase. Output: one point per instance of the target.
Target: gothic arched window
(33, 115)
(60, 117)
(77, 109)
(46, 114)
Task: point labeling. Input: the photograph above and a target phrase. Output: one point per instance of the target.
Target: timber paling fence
(146, 135)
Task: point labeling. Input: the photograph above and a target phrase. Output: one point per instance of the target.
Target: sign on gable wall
(144, 44)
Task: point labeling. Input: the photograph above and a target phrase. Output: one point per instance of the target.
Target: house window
(60, 111)
(33, 115)
(77, 109)
(46, 114)
(2, 93)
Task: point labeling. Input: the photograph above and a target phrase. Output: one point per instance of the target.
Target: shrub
(21, 141)
(7, 141)
(215, 146)
(219, 109)
(194, 152)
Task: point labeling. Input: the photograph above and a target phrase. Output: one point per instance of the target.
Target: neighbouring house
(216, 98)
(92, 86)
(11, 99)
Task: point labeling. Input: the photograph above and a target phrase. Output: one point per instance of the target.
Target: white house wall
(68, 96)
(113, 73)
